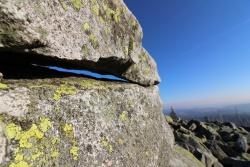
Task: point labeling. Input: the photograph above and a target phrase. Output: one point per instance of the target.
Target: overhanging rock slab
(100, 36)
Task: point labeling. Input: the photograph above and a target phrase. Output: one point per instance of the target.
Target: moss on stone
(64, 90)
(68, 129)
(117, 15)
(85, 50)
(130, 46)
(37, 155)
(33, 146)
(50, 145)
(77, 4)
(95, 9)
(63, 4)
(25, 136)
(186, 154)
(20, 164)
(120, 141)
(106, 145)
(19, 157)
(107, 31)
(94, 41)
(110, 113)
(45, 124)
(124, 116)
(43, 32)
(169, 119)
(74, 152)
(3, 86)
(38, 8)
(12, 131)
(55, 154)
(86, 27)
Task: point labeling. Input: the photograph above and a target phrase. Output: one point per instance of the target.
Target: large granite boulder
(100, 36)
(50, 119)
(82, 122)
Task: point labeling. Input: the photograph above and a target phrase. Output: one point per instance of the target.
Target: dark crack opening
(15, 65)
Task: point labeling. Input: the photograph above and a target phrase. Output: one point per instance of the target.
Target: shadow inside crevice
(34, 66)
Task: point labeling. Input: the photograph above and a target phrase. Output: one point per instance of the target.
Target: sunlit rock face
(101, 36)
(49, 118)
(82, 122)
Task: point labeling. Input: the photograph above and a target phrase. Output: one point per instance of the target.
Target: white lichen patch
(15, 102)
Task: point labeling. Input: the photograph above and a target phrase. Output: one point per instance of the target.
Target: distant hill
(239, 114)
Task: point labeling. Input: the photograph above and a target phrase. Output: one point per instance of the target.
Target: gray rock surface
(207, 159)
(100, 36)
(241, 144)
(183, 158)
(82, 122)
(215, 144)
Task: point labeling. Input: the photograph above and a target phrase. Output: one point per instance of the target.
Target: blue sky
(202, 48)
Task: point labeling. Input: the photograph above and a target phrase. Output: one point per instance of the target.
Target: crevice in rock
(15, 65)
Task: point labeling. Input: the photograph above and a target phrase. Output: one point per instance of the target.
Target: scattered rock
(248, 138)
(183, 158)
(169, 119)
(207, 131)
(227, 134)
(192, 126)
(216, 150)
(242, 130)
(184, 130)
(230, 124)
(214, 143)
(246, 156)
(207, 158)
(241, 144)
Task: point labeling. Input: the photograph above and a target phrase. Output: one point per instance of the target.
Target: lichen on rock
(3, 86)
(92, 127)
(109, 32)
(47, 119)
(64, 90)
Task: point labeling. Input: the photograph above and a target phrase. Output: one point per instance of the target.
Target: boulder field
(215, 144)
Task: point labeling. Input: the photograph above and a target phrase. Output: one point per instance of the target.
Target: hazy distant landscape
(238, 114)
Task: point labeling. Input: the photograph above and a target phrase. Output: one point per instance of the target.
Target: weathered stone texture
(101, 36)
(184, 158)
(83, 122)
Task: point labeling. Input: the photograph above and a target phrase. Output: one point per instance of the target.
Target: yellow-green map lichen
(74, 151)
(124, 116)
(106, 145)
(68, 129)
(37, 144)
(77, 4)
(64, 90)
(45, 124)
(96, 121)
(3, 86)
